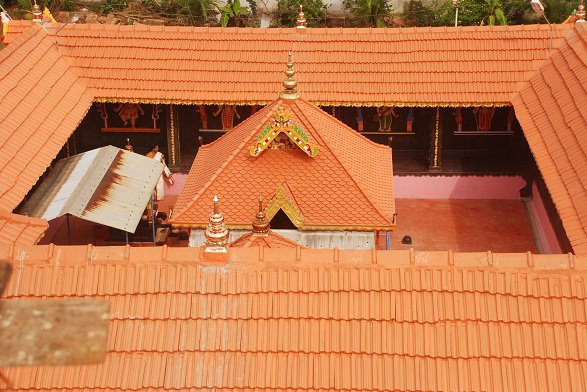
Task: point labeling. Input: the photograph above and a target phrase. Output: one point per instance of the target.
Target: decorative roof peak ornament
(37, 14)
(216, 233)
(301, 22)
(260, 223)
(283, 134)
(290, 83)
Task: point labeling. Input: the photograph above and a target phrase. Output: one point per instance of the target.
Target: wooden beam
(53, 331)
(130, 130)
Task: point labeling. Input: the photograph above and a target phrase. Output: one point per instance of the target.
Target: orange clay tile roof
(19, 229)
(407, 66)
(337, 179)
(552, 110)
(270, 240)
(41, 104)
(316, 320)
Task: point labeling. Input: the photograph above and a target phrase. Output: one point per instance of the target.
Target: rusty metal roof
(107, 185)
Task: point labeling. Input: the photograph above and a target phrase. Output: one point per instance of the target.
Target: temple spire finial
(260, 223)
(301, 22)
(216, 233)
(290, 83)
(37, 14)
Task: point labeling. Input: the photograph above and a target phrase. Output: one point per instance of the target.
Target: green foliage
(369, 13)
(233, 13)
(288, 10)
(483, 12)
(557, 11)
(196, 12)
(113, 6)
(417, 14)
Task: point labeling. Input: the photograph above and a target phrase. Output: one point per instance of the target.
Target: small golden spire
(580, 14)
(216, 233)
(260, 223)
(37, 14)
(289, 83)
(301, 22)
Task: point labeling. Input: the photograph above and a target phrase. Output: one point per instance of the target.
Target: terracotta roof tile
(41, 104)
(550, 108)
(337, 179)
(19, 229)
(416, 66)
(316, 319)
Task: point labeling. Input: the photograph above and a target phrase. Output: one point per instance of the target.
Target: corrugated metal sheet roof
(107, 185)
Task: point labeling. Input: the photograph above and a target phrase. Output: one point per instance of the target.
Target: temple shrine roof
(314, 320)
(319, 172)
(552, 110)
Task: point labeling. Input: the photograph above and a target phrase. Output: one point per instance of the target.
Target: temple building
(472, 105)
(307, 165)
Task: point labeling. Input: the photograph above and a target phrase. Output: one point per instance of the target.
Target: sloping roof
(41, 103)
(19, 229)
(301, 319)
(552, 110)
(107, 185)
(270, 240)
(319, 188)
(405, 66)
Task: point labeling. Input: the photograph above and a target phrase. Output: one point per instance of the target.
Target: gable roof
(551, 108)
(41, 103)
(318, 188)
(269, 240)
(291, 319)
(424, 66)
(19, 229)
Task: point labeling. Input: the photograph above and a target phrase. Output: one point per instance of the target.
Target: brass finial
(580, 14)
(260, 224)
(289, 83)
(216, 233)
(301, 22)
(37, 14)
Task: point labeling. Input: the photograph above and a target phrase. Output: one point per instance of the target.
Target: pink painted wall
(543, 229)
(178, 184)
(456, 187)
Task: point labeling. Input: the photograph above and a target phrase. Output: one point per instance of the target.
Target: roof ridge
(64, 255)
(225, 164)
(335, 155)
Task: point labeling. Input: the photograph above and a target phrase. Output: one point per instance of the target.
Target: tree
(196, 12)
(288, 10)
(417, 14)
(369, 13)
(484, 12)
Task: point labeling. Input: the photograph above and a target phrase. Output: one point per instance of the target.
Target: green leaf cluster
(369, 13)
(288, 10)
(233, 14)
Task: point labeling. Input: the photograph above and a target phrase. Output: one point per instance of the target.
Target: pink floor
(463, 225)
